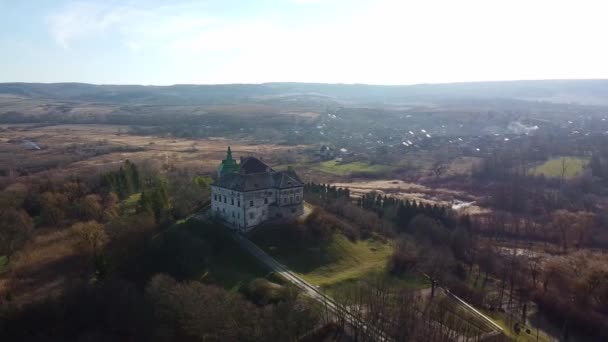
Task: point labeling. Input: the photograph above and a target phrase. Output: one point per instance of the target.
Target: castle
(249, 193)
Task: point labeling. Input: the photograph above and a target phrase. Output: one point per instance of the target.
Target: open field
(82, 149)
(336, 168)
(571, 166)
(412, 191)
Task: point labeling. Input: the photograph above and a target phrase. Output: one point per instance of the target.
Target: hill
(562, 91)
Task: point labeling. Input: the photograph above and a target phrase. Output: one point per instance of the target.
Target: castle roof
(251, 165)
(256, 175)
(257, 181)
(253, 174)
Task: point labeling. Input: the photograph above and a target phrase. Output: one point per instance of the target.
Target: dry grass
(86, 149)
(412, 191)
(43, 267)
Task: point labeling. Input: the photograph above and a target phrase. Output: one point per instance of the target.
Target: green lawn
(337, 168)
(328, 263)
(553, 167)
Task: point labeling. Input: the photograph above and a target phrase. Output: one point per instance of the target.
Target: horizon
(382, 42)
(321, 83)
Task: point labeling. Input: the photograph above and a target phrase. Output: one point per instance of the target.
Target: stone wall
(245, 210)
(229, 205)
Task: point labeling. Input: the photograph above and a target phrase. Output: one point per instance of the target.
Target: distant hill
(591, 92)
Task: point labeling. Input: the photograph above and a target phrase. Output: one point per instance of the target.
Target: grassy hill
(328, 263)
(205, 252)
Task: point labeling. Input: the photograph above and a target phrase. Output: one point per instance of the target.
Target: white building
(247, 194)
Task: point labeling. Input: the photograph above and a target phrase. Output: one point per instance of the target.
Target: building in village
(249, 193)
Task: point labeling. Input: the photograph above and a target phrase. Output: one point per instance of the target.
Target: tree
(90, 208)
(110, 207)
(15, 229)
(585, 222)
(563, 222)
(155, 198)
(92, 237)
(188, 193)
(405, 257)
(436, 264)
(54, 207)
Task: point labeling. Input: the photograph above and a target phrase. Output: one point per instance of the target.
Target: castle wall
(229, 205)
(257, 202)
(245, 210)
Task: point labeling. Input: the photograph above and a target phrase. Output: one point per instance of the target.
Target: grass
(129, 205)
(326, 264)
(227, 264)
(3, 262)
(336, 168)
(553, 167)
(502, 320)
(456, 317)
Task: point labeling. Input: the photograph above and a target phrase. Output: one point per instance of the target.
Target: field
(336, 168)
(336, 260)
(91, 149)
(554, 167)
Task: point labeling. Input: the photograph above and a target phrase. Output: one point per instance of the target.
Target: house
(326, 153)
(249, 193)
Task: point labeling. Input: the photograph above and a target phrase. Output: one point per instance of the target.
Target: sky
(329, 41)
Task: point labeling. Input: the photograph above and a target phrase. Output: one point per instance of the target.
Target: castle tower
(228, 165)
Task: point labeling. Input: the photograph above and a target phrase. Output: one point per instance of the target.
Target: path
(337, 309)
(305, 286)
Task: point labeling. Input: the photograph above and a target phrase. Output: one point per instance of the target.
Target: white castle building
(250, 193)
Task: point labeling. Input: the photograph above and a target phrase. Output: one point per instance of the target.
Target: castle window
(214, 197)
(233, 214)
(232, 201)
(251, 203)
(251, 216)
(238, 203)
(224, 199)
(293, 210)
(238, 215)
(265, 200)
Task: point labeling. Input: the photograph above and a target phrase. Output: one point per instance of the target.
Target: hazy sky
(346, 41)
